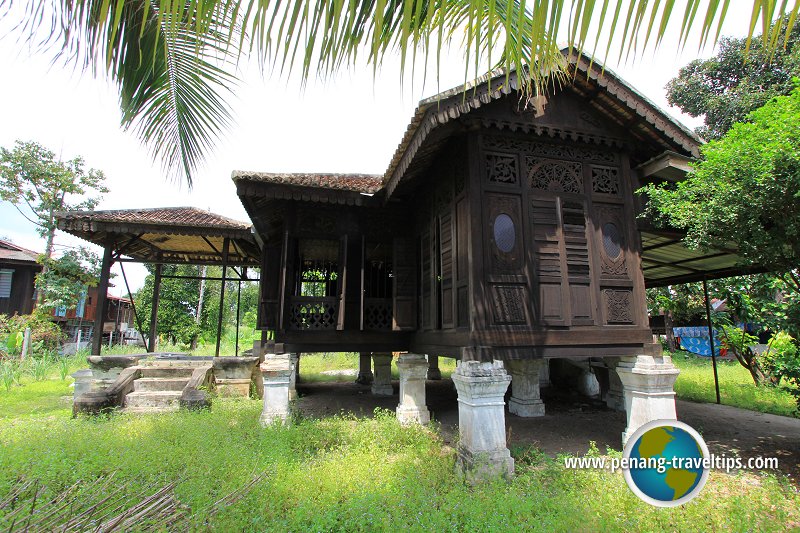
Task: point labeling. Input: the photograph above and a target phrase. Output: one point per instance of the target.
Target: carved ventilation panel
(605, 180)
(314, 314)
(508, 302)
(501, 168)
(378, 315)
(555, 151)
(618, 306)
(554, 176)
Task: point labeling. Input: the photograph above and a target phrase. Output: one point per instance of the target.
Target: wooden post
(154, 310)
(102, 300)
(238, 305)
(225, 244)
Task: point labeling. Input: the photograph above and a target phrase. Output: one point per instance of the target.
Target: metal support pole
(711, 337)
(225, 245)
(154, 310)
(133, 303)
(102, 300)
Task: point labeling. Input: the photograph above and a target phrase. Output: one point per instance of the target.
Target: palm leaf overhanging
(174, 60)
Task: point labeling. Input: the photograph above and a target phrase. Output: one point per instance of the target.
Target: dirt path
(572, 421)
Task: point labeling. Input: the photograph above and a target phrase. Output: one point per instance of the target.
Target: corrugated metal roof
(11, 252)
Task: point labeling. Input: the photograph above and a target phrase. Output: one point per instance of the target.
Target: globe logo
(666, 463)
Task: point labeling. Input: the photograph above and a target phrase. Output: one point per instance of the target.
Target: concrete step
(159, 384)
(167, 372)
(177, 363)
(155, 400)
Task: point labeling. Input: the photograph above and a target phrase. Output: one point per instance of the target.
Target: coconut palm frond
(173, 59)
(172, 63)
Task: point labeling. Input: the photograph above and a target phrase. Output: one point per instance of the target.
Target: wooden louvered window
(562, 261)
(6, 275)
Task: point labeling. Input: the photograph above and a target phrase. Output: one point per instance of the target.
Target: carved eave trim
(548, 131)
(639, 103)
(434, 112)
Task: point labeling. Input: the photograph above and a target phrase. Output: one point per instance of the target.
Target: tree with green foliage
(174, 62)
(177, 303)
(745, 192)
(66, 278)
(740, 78)
(39, 185)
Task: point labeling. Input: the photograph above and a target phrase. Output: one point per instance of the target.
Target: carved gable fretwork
(605, 180)
(502, 169)
(554, 176)
(547, 150)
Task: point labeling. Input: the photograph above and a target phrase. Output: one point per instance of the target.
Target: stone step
(177, 363)
(156, 400)
(167, 372)
(160, 384)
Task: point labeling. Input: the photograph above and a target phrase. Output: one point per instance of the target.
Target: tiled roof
(364, 183)
(11, 252)
(163, 216)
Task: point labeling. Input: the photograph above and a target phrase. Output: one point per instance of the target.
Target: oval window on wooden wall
(505, 234)
(612, 240)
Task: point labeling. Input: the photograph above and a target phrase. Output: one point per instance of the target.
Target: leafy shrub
(45, 335)
(782, 360)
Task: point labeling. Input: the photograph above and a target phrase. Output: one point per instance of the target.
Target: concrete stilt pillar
(526, 400)
(276, 371)
(294, 360)
(382, 384)
(648, 383)
(433, 367)
(365, 376)
(482, 451)
(412, 409)
(615, 397)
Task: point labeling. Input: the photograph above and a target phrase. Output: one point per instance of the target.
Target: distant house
(118, 321)
(18, 269)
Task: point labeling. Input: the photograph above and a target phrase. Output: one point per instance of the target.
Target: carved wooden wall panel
(509, 303)
(618, 306)
(505, 244)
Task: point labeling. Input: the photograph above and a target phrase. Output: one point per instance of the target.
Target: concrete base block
(484, 466)
(382, 384)
(526, 398)
(526, 408)
(276, 371)
(412, 408)
(482, 451)
(648, 383)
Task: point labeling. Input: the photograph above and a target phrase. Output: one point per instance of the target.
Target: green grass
(736, 387)
(344, 473)
(341, 473)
